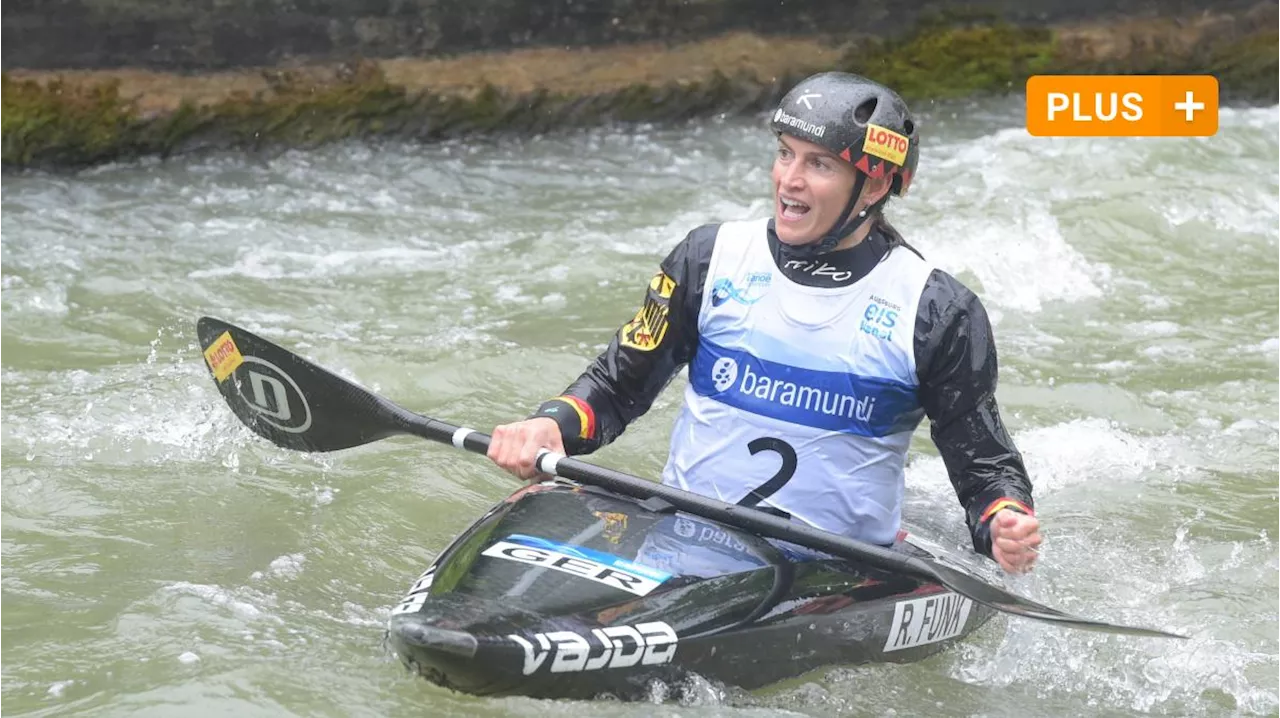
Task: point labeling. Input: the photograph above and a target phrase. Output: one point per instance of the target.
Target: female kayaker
(816, 342)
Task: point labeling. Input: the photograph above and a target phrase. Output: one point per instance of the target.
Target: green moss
(55, 125)
(1248, 69)
(302, 112)
(947, 57)
(58, 124)
(63, 123)
(939, 61)
(169, 132)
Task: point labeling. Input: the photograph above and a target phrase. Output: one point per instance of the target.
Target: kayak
(571, 591)
(602, 586)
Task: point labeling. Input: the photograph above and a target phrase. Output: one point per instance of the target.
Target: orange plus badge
(1122, 105)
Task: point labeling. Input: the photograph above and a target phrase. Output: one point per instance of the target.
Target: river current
(159, 559)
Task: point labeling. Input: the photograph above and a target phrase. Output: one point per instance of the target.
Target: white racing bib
(801, 398)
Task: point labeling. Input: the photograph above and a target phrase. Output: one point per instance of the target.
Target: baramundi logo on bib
(723, 373)
(832, 400)
(806, 398)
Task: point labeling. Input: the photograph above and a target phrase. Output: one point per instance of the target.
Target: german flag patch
(646, 331)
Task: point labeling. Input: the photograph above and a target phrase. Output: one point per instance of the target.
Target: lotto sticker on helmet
(886, 144)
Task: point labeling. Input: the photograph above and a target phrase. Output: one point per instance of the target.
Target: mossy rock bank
(61, 123)
(953, 56)
(71, 119)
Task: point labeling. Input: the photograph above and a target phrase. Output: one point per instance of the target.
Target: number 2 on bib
(785, 472)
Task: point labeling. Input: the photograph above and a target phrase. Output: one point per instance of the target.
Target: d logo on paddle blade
(273, 394)
(287, 399)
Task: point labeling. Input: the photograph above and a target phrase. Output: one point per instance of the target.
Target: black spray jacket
(955, 359)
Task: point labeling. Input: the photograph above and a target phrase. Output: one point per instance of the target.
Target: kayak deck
(567, 592)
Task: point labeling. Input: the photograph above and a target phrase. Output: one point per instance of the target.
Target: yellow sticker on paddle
(223, 356)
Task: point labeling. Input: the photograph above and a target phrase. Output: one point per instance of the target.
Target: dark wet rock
(396, 77)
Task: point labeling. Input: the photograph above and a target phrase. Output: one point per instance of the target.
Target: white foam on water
(324, 495)
(1099, 571)
(244, 604)
(657, 239)
(1125, 674)
(197, 622)
(268, 263)
(288, 566)
(1269, 347)
(1056, 457)
(511, 294)
(1206, 444)
(124, 425)
(59, 688)
(48, 299)
(1164, 351)
(1154, 588)
(1155, 302)
(987, 217)
(1155, 328)
(1243, 214)
(1238, 218)
(1116, 366)
(1059, 458)
(354, 614)
(1261, 118)
(1003, 255)
(161, 410)
(350, 613)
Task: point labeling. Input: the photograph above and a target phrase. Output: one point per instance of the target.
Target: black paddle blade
(1002, 600)
(287, 399)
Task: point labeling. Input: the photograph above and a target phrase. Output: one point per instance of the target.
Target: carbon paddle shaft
(628, 485)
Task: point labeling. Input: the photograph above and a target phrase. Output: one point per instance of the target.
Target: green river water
(160, 560)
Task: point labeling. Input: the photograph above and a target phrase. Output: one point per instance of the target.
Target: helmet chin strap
(840, 230)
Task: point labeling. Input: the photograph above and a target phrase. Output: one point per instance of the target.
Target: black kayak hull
(571, 592)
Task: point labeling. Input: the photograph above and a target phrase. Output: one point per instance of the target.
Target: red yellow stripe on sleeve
(998, 504)
(586, 416)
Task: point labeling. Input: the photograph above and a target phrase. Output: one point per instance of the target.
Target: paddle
(298, 405)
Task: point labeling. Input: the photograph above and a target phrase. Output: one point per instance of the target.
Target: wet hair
(892, 236)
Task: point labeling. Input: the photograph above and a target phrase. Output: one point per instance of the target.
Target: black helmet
(864, 123)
